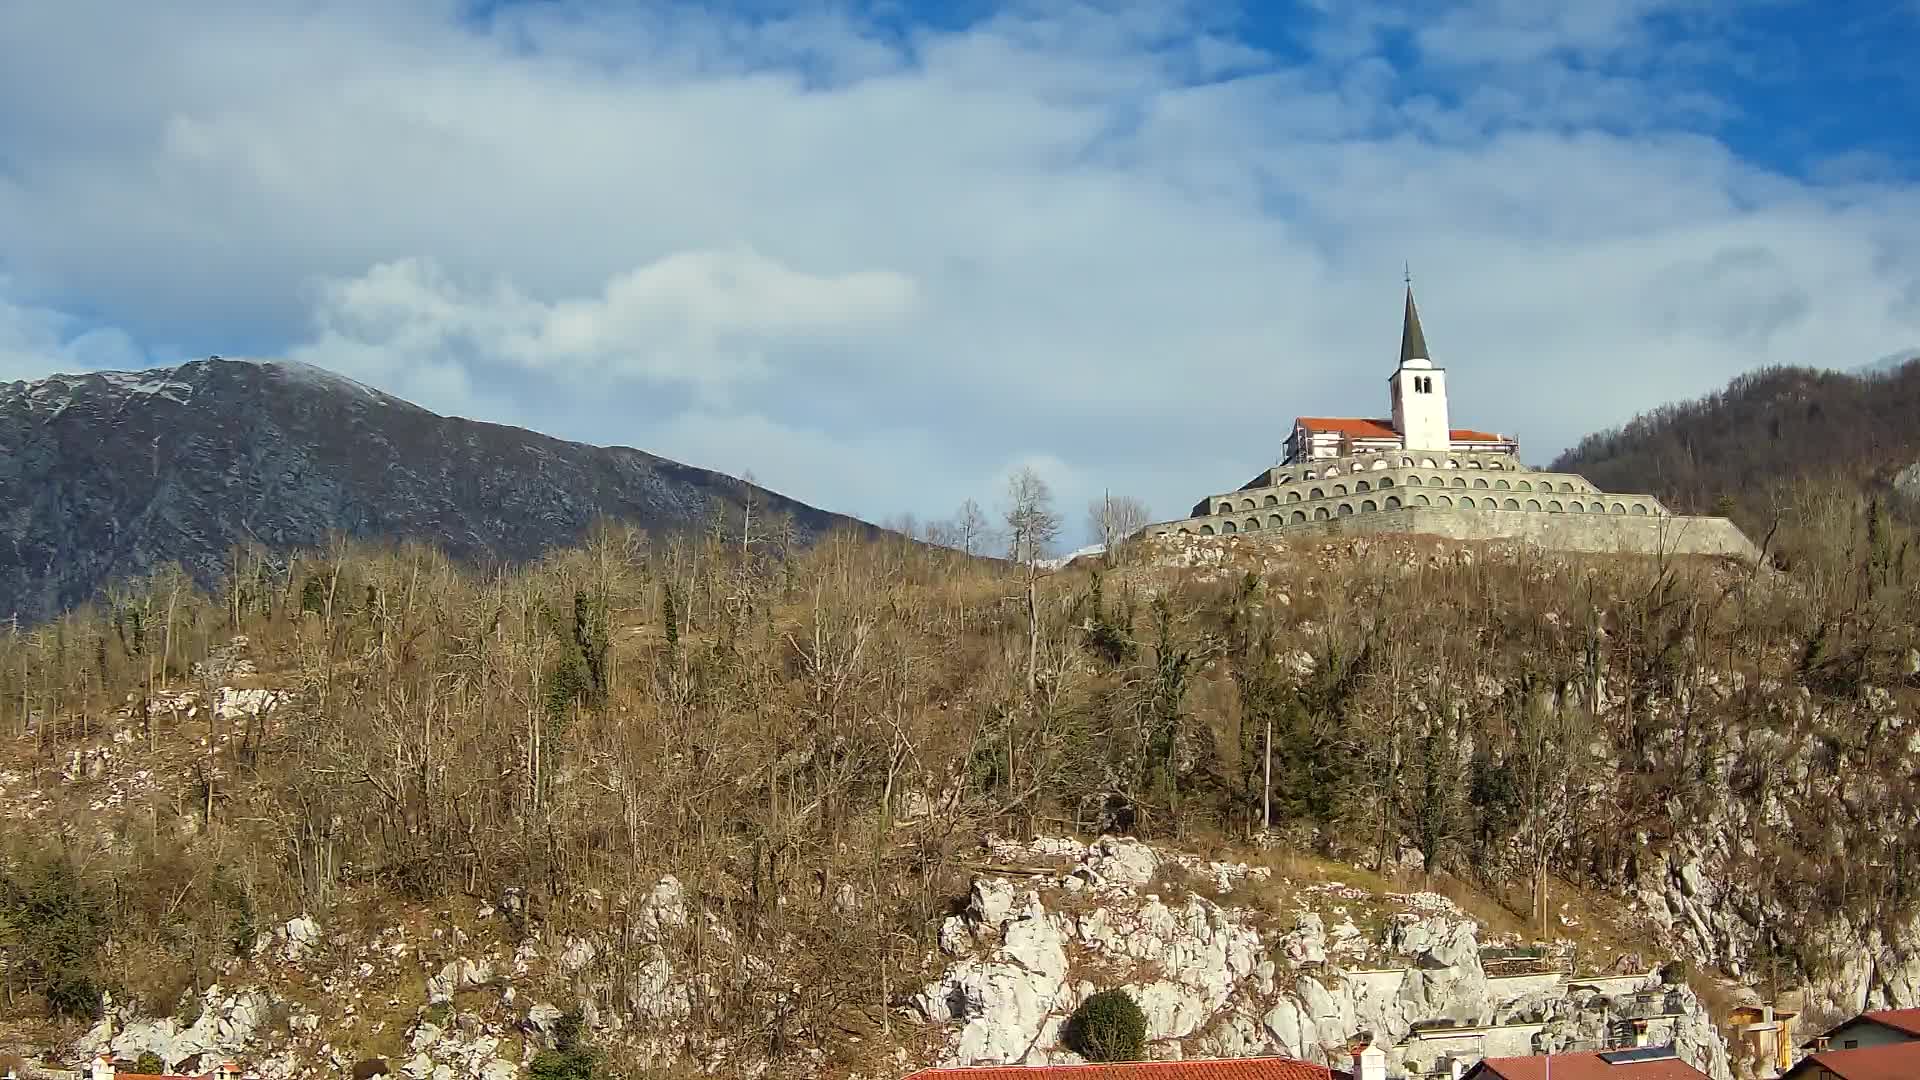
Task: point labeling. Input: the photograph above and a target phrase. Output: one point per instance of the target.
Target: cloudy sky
(881, 253)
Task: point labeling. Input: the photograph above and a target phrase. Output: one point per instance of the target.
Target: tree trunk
(1266, 782)
(1033, 631)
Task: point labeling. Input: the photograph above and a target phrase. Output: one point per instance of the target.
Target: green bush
(1108, 1026)
(150, 1064)
(575, 1064)
(568, 1060)
(53, 925)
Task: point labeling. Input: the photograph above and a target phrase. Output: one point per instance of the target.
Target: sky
(882, 254)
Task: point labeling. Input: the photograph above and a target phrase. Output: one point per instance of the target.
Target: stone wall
(1600, 533)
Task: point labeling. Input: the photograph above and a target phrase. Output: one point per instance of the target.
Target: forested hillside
(1741, 450)
(810, 745)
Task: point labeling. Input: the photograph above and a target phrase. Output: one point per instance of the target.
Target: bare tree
(1115, 518)
(970, 526)
(1032, 528)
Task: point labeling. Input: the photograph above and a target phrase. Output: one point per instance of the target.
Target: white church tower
(1419, 390)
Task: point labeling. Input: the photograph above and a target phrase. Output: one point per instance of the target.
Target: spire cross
(1409, 275)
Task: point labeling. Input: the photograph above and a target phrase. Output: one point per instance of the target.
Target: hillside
(1745, 449)
(111, 475)
(687, 806)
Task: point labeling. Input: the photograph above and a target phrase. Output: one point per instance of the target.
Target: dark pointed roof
(1413, 343)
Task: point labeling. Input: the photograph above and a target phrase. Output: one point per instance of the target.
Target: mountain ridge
(113, 474)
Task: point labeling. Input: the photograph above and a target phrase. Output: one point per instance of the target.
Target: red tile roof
(1207, 1069)
(1363, 428)
(1358, 427)
(1906, 1020)
(1894, 1061)
(1584, 1067)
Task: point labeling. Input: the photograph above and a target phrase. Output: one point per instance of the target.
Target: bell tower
(1419, 389)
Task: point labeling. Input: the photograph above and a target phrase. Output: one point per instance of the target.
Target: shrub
(55, 924)
(1108, 1026)
(150, 1063)
(575, 1064)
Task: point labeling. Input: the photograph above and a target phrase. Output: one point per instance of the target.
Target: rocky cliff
(1272, 966)
(110, 475)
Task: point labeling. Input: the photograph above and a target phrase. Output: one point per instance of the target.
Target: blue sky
(880, 254)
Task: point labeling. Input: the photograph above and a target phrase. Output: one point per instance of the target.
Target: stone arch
(1480, 481)
(1320, 513)
(1502, 484)
(1496, 465)
(1565, 486)
(1318, 494)
(1379, 463)
(1459, 481)
(1298, 517)
(1346, 510)
(1446, 500)
(1386, 481)
(1293, 496)
(1453, 463)
(1331, 470)
(1246, 504)
(1308, 475)
(1474, 463)
(1228, 528)
(1406, 463)
(1524, 485)
(1363, 486)
(1554, 507)
(1598, 508)
(1514, 504)
(1428, 463)
(1186, 532)
(1415, 481)
(1252, 525)
(1393, 502)
(1225, 508)
(1270, 500)
(1288, 479)
(1367, 506)
(1339, 489)
(1422, 500)
(1576, 507)
(1206, 530)
(1619, 508)
(1640, 508)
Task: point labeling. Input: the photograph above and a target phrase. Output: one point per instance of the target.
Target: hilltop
(694, 805)
(1750, 450)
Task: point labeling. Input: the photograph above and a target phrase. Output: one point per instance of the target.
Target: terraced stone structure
(1415, 473)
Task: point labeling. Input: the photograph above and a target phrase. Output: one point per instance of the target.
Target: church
(1419, 420)
(1412, 472)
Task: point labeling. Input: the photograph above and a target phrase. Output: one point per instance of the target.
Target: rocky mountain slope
(109, 475)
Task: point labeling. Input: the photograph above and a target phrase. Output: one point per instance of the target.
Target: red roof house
(1888, 1061)
(106, 1068)
(1870, 1029)
(1271, 1068)
(1641, 1064)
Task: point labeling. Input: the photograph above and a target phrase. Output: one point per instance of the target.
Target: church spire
(1413, 343)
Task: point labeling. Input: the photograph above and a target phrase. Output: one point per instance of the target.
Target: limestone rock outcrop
(1217, 979)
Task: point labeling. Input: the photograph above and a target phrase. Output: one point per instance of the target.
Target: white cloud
(877, 267)
(708, 318)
